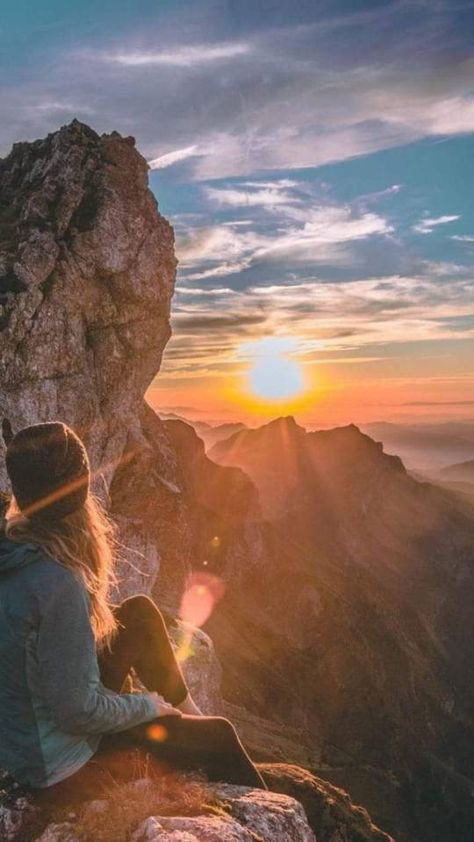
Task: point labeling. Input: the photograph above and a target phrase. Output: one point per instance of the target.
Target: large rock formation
(87, 271)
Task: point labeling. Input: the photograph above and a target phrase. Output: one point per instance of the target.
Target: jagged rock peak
(283, 422)
(87, 271)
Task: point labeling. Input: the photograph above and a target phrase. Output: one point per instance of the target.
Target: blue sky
(316, 160)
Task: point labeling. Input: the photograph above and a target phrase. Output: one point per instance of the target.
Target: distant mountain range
(462, 472)
(209, 433)
(425, 447)
(428, 446)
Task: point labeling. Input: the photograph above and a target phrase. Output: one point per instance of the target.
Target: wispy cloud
(50, 107)
(300, 232)
(463, 238)
(187, 55)
(344, 322)
(281, 96)
(437, 403)
(170, 158)
(426, 226)
(269, 195)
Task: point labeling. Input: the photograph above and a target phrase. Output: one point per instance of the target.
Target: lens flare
(157, 733)
(201, 594)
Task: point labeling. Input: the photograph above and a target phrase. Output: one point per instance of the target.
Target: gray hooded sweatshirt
(53, 707)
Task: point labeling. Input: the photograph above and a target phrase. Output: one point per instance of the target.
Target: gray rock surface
(59, 832)
(245, 815)
(87, 272)
(200, 665)
(195, 829)
(16, 815)
(254, 814)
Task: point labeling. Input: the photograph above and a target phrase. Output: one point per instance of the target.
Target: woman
(65, 652)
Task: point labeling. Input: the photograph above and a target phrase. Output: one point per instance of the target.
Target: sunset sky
(316, 161)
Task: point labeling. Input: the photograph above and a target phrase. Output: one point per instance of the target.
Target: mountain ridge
(376, 560)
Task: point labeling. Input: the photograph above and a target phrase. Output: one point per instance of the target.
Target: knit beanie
(48, 469)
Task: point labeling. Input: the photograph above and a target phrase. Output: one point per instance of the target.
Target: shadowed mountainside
(357, 629)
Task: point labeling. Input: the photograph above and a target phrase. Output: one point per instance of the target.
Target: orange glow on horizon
(336, 394)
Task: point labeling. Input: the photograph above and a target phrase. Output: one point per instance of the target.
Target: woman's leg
(142, 642)
(192, 742)
(206, 743)
(166, 745)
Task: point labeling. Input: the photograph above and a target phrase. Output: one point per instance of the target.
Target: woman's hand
(165, 708)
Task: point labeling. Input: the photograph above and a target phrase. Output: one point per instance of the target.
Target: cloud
(368, 198)
(264, 196)
(445, 269)
(426, 226)
(207, 321)
(275, 97)
(174, 157)
(331, 322)
(180, 56)
(199, 291)
(312, 235)
(50, 107)
(463, 238)
(437, 403)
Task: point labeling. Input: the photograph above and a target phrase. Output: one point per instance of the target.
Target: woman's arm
(70, 681)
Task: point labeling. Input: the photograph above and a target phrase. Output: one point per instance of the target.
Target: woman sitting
(65, 652)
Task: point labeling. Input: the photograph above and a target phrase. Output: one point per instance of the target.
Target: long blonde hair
(84, 542)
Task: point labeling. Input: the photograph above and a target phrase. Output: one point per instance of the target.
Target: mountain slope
(461, 472)
(427, 446)
(358, 626)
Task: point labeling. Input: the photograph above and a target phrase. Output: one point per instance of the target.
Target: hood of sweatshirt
(13, 555)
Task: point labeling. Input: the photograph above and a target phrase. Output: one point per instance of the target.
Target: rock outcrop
(299, 808)
(329, 810)
(246, 815)
(87, 272)
(252, 814)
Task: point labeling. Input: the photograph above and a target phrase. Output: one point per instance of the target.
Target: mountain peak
(285, 423)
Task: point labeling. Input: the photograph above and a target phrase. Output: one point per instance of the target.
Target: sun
(273, 375)
(275, 378)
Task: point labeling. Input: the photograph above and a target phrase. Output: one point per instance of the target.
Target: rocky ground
(298, 808)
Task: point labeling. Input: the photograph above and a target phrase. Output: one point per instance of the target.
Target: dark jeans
(170, 743)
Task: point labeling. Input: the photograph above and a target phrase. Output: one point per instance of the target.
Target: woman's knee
(224, 730)
(139, 609)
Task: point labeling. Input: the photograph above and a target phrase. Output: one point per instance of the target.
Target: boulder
(329, 810)
(253, 814)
